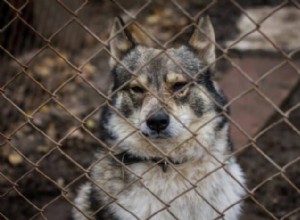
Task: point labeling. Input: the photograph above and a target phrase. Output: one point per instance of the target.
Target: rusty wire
(79, 70)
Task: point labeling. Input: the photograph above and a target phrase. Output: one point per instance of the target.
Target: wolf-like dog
(167, 152)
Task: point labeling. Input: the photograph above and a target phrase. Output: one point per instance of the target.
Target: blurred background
(54, 76)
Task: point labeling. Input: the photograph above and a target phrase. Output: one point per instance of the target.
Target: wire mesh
(54, 82)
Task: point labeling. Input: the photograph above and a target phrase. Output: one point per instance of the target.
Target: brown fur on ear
(203, 39)
(121, 41)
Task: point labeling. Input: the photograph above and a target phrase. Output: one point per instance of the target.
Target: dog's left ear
(121, 41)
(203, 41)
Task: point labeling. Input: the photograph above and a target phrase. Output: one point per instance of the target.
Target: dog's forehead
(157, 61)
(182, 59)
(155, 65)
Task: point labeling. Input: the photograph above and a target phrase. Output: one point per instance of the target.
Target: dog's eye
(137, 89)
(178, 86)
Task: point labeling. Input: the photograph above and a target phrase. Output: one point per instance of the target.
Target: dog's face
(164, 102)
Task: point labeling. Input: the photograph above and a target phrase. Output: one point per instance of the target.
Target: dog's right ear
(121, 41)
(203, 41)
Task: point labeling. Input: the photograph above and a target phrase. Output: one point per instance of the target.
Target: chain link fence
(54, 81)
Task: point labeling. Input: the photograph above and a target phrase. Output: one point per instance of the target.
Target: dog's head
(164, 101)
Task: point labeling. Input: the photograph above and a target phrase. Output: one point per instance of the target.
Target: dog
(167, 152)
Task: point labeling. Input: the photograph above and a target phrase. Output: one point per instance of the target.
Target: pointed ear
(203, 39)
(121, 41)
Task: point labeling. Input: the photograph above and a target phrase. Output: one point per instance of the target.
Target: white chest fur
(195, 194)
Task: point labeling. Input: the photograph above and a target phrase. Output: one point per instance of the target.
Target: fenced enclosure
(55, 76)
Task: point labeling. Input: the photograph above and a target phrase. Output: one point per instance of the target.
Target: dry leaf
(42, 70)
(5, 150)
(153, 19)
(51, 131)
(90, 123)
(61, 182)
(61, 59)
(15, 158)
(76, 134)
(43, 149)
(49, 62)
(45, 109)
(88, 69)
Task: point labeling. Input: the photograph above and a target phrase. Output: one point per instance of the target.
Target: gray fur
(201, 181)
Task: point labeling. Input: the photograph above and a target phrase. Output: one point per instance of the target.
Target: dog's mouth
(157, 135)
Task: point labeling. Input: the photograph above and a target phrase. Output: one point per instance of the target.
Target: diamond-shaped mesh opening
(278, 193)
(274, 87)
(50, 69)
(292, 172)
(24, 86)
(248, 119)
(55, 164)
(14, 29)
(58, 13)
(294, 116)
(13, 159)
(76, 100)
(44, 128)
(62, 206)
(10, 113)
(30, 197)
(95, 68)
(31, 142)
(40, 183)
(80, 146)
(274, 145)
(72, 41)
(258, 160)
(13, 198)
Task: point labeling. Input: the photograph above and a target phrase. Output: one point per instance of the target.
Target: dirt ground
(28, 188)
(280, 144)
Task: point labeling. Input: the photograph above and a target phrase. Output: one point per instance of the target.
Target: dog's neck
(127, 158)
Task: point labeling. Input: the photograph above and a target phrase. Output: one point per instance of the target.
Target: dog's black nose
(158, 121)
